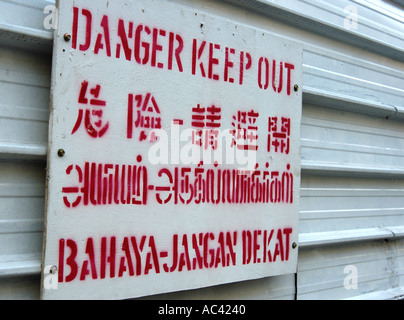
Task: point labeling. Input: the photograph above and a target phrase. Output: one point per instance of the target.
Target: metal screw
(296, 88)
(67, 37)
(53, 270)
(61, 152)
(294, 245)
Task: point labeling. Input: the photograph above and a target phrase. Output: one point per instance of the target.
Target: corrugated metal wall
(352, 191)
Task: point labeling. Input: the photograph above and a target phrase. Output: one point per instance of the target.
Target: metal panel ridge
(347, 22)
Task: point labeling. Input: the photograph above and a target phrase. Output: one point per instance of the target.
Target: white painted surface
(214, 75)
(351, 77)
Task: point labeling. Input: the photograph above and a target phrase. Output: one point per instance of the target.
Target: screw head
(53, 270)
(61, 152)
(67, 37)
(294, 245)
(296, 88)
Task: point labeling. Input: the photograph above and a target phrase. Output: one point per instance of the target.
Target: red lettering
(279, 246)
(175, 253)
(102, 184)
(98, 44)
(244, 65)
(220, 251)
(138, 249)
(196, 56)
(152, 258)
(61, 259)
(231, 243)
(175, 52)
(290, 67)
(122, 266)
(139, 43)
(287, 186)
(84, 268)
(184, 256)
(256, 246)
(287, 232)
(87, 14)
(163, 48)
(280, 78)
(124, 40)
(75, 27)
(228, 64)
(110, 259)
(208, 252)
(129, 130)
(157, 47)
(71, 260)
(275, 188)
(267, 241)
(277, 79)
(196, 246)
(247, 240)
(213, 61)
(75, 190)
(263, 85)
